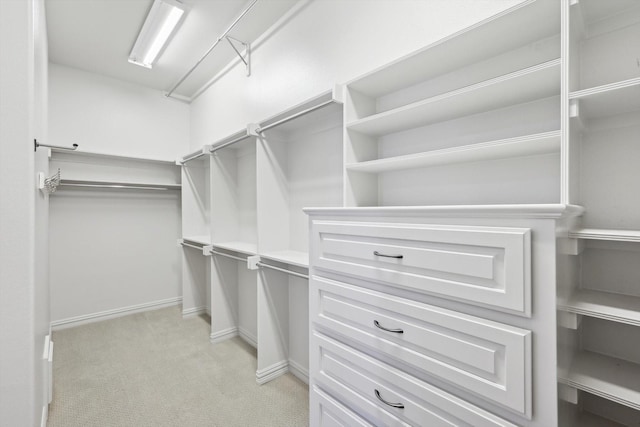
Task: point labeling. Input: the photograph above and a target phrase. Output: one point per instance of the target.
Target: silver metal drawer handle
(395, 331)
(395, 405)
(398, 256)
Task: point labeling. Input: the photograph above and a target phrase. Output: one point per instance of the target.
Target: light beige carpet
(156, 369)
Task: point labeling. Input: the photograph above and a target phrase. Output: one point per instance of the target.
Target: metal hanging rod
(118, 185)
(214, 252)
(294, 116)
(36, 144)
(283, 270)
(191, 246)
(226, 144)
(222, 37)
(192, 156)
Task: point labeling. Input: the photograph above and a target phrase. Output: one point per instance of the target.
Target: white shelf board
(110, 156)
(296, 258)
(608, 377)
(605, 305)
(606, 234)
(608, 100)
(587, 419)
(529, 145)
(497, 34)
(240, 247)
(201, 240)
(537, 82)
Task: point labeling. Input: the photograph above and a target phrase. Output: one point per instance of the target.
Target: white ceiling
(97, 36)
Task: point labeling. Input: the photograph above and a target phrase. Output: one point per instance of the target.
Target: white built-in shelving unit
(602, 92)
(234, 237)
(244, 206)
(453, 124)
(196, 232)
(299, 165)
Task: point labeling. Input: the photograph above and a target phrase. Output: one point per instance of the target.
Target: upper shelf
(605, 305)
(607, 377)
(608, 100)
(528, 145)
(537, 82)
(606, 234)
(246, 248)
(296, 258)
(500, 33)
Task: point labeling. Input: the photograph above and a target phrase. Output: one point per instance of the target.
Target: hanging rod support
(247, 49)
(188, 73)
(36, 144)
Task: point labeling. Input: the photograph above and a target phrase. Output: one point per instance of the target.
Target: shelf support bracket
(246, 59)
(569, 320)
(568, 393)
(574, 108)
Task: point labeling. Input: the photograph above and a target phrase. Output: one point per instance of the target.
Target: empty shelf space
(605, 305)
(608, 377)
(606, 234)
(529, 145)
(239, 247)
(296, 258)
(200, 240)
(488, 38)
(607, 100)
(587, 419)
(538, 82)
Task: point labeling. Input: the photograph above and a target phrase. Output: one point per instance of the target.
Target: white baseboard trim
(45, 416)
(248, 337)
(272, 372)
(299, 371)
(194, 311)
(111, 314)
(223, 335)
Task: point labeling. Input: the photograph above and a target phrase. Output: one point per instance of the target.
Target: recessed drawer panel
(488, 266)
(328, 412)
(487, 358)
(345, 372)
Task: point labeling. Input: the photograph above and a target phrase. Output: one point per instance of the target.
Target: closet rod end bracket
(252, 262)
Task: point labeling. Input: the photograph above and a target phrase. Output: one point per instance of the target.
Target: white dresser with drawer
(435, 316)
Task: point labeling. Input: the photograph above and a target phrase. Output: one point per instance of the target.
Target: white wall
(323, 43)
(113, 250)
(23, 312)
(106, 115)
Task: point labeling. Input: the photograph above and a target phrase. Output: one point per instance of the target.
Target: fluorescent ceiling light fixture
(161, 22)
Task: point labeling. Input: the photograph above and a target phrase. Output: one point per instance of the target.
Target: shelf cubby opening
(461, 60)
(233, 298)
(604, 42)
(300, 165)
(196, 201)
(233, 180)
(283, 332)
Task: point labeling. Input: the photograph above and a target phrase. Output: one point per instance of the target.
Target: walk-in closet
(319, 213)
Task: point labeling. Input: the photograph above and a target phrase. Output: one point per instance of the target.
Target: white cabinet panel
(330, 413)
(487, 358)
(487, 266)
(422, 404)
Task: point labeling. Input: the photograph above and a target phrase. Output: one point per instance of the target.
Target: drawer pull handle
(394, 405)
(398, 256)
(379, 326)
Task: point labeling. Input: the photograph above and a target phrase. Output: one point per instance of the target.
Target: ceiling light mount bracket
(247, 52)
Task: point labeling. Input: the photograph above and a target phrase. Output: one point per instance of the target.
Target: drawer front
(328, 412)
(490, 359)
(341, 367)
(488, 266)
